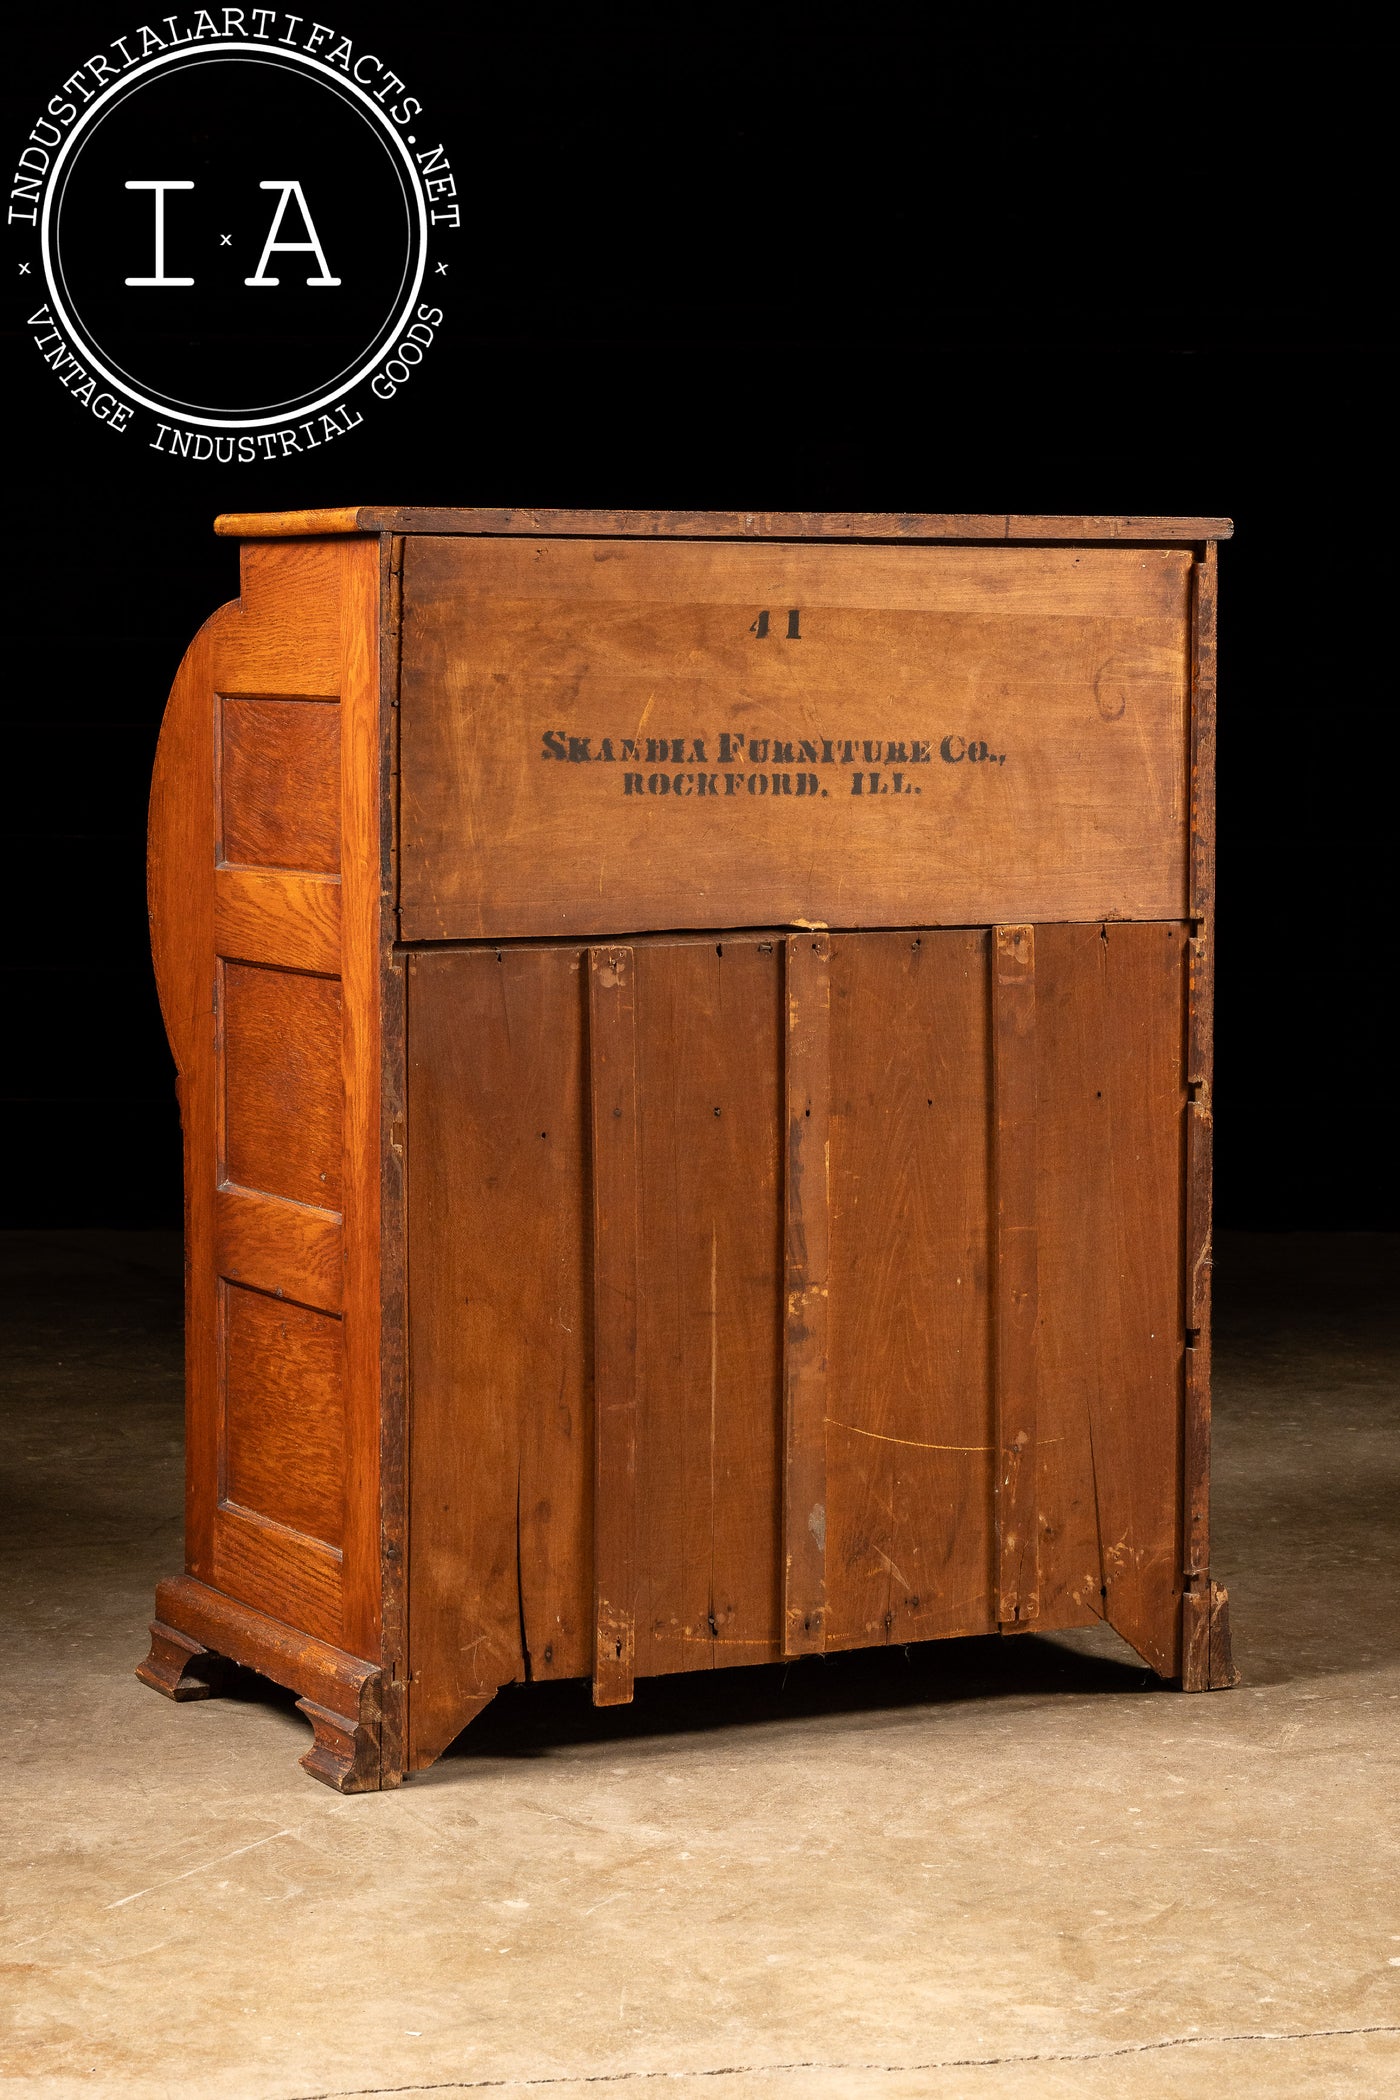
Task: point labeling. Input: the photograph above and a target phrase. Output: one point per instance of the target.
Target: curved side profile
(265, 904)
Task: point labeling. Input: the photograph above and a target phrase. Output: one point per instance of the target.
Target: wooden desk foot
(355, 1747)
(177, 1666)
(1206, 1662)
(345, 1754)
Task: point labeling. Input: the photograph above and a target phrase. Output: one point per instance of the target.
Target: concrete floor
(990, 1868)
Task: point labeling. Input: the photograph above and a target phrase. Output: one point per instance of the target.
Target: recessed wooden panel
(284, 1413)
(279, 783)
(603, 736)
(709, 1340)
(1110, 1032)
(283, 1094)
(294, 1579)
(909, 1432)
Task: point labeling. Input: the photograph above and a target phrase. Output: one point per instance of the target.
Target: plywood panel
(283, 1092)
(1110, 1025)
(909, 1464)
(600, 737)
(284, 1413)
(709, 1048)
(279, 780)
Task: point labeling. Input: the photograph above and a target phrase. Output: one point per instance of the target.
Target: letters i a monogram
(272, 246)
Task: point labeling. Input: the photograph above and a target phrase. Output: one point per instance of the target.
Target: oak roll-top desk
(694, 1042)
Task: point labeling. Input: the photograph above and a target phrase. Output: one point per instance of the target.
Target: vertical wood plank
(807, 1248)
(1200, 1049)
(361, 973)
(909, 1439)
(1016, 1374)
(612, 1009)
(1110, 1037)
(709, 1324)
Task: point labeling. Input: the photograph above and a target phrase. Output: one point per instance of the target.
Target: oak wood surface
(266, 887)
(268, 915)
(719, 524)
(633, 735)
(284, 1113)
(279, 783)
(284, 1413)
(888, 1201)
(291, 1250)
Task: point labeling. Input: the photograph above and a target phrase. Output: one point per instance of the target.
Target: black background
(795, 257)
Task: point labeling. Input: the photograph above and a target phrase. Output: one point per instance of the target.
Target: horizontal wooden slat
(720, 524)
(290, 1249)
(834, 736)
(289, 1576)
(269, 915)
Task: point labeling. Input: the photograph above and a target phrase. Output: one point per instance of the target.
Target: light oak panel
(291, 1250)
(284, 1117)
(271, 915)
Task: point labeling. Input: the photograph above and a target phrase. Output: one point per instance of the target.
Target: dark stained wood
(909, 1428)
(284, 1129)
(724, 777)
(807, 1191)
(612, 1062)
(279, 784)
(1015, 1089)
(721, 524)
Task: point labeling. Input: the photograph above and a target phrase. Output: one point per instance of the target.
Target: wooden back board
(605, 736)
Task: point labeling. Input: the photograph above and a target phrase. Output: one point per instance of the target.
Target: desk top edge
(913, 526)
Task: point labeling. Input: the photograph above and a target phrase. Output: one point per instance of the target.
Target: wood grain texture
(1015, 1088)
(279, 783)
(290, 1250)
(721, 524)
(709, 1468)
(284, 1115)
(807, 1208)
(612, 1065)
(499, 1222)
(1110, 1035)
(269, 915)
(263, 762)
(952, 732)
(339, 1693)
(363, 971)
(909, 1430)
(284, 1413)
(288, 1575)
